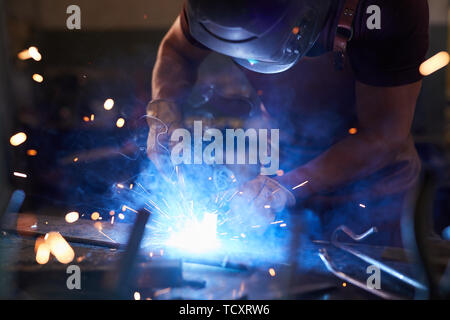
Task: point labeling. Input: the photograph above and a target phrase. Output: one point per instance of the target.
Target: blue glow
(446, 233)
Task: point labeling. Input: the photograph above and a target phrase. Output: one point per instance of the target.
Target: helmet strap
(344, 33)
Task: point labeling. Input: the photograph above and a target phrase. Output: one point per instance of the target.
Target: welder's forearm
(172, 75)
(349, 160)
(176, 65)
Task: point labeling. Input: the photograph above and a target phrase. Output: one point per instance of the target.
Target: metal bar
(127, 263)
(323, 254)
(371, 260)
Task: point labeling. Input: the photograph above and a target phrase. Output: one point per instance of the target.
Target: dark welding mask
(266, 36)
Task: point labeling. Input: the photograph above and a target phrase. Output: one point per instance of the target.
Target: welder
(340, 78)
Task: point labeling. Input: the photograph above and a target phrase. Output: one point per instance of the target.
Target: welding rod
(70, 239)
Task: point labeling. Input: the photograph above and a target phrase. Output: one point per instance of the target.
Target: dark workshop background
(112, 57)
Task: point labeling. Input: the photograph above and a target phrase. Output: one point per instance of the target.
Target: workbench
(163, 276)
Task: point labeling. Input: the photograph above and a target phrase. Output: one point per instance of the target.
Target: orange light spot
(344, 284)
(59, 247)
(31, 52)
(95, 216)
(353, 131)
(42, 253)
(295, 30)
(75, 159)
(31, 152)
(272, 272)
(24, 55)
(98, 225)
(86, 119)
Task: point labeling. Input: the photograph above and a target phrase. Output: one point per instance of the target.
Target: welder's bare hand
(163, 117)
(261, 198)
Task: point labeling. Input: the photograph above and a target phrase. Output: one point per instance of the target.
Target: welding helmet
(266, 36)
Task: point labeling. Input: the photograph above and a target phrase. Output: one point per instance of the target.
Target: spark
(71, 217)
(353, 131)
(59, 247)
(283, 225)
(43, 253)
(31, 52)
(435, 63)
(272, 272)
(75, 159)
(125, 208)
(120, 122)
(161, 292)
(119, 185)
(300, 185)
(18, 139)
(19, 174)
(34, 53)
(344, 284)
(31, 152)
(95, 216)
(121, 216)
(277, 222)
(108, 104)
(137, 296)
(362, 205)
(105, 235)
(38, 78)
(92, 117)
